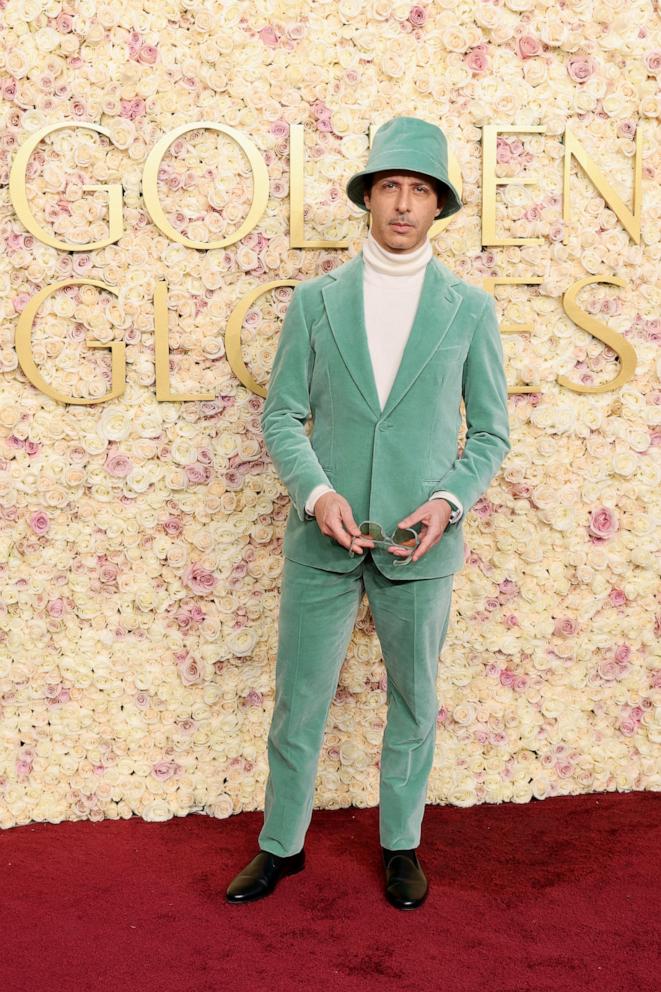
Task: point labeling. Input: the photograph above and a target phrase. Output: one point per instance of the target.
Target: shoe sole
(266, 892)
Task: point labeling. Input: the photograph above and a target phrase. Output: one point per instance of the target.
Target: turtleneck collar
(393, 263)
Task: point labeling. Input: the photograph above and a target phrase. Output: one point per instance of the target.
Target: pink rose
(627, 129)
(132, 109)
(118, 465)
(417, 16)
(565, 627)
(581, 68)
(108, 572)
(528, 46)
(477, 59)
(134, 43)
(268, 36)
(20, 301)
(189, 672)
(622, 654)
(24, 765)
(163, 770)
(148, 54)
(55, 607)
(279, 129)
(609, 669)
(319, 109)
(603, 523)
(39, 522)
(198, 474)
(64, 23)
(617, 597)
(653, 61)
(240, 570)
(508, 587)
(533, 212)
(503, 150)
(199, 579)
(183, 619)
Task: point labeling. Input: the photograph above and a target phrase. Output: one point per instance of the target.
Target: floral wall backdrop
(141, 540)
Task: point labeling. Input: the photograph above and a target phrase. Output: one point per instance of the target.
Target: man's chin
(401, 241)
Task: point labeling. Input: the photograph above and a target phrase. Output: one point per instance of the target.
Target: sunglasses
(402, 537)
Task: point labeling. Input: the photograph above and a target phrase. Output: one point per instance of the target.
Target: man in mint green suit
(380, 470)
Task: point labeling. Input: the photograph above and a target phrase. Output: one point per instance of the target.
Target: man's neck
(379, 260)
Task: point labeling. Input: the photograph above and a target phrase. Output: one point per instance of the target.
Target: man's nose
(404, 200)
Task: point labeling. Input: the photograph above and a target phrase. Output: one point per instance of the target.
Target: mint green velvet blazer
(385, 462)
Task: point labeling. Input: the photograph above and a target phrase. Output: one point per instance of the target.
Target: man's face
(403, 206)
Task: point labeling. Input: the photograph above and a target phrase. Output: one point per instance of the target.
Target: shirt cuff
(458, 510)
(314, 496)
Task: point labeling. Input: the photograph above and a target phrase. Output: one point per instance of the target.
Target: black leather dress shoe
(406, 883)
(261, 876)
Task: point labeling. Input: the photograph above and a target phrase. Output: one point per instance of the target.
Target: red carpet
(554, 896)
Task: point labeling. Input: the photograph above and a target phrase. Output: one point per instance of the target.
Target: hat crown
(408, 137)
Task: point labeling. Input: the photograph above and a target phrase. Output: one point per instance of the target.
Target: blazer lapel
(345, 307)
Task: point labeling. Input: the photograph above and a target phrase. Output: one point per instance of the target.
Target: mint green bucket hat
(408, 143)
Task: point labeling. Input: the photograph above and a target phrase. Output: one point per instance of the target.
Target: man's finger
(413, 518)
(427, 541)
(347, 521)
(346, 530)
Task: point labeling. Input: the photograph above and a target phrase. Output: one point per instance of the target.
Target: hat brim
(355, 189)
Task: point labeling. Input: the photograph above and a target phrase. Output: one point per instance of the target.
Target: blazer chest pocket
(447, 360)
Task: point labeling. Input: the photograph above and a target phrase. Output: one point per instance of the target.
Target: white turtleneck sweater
(391, 287)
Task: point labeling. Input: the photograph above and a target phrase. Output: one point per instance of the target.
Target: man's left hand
(434, 515)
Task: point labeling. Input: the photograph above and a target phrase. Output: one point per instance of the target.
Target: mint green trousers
(318, 611)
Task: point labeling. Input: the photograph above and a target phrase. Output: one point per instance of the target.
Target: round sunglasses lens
(405, 536)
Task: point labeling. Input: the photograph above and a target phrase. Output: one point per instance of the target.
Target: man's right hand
(335, 518)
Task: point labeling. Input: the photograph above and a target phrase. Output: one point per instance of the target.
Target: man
(379, 352)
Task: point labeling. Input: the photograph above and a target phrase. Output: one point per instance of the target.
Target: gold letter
(630, 221)
(490, 133)
(19, 199)
(297, 194)
(625, 351)
(150, 185)
(24, 347)
(162, 350)
(233, 334)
